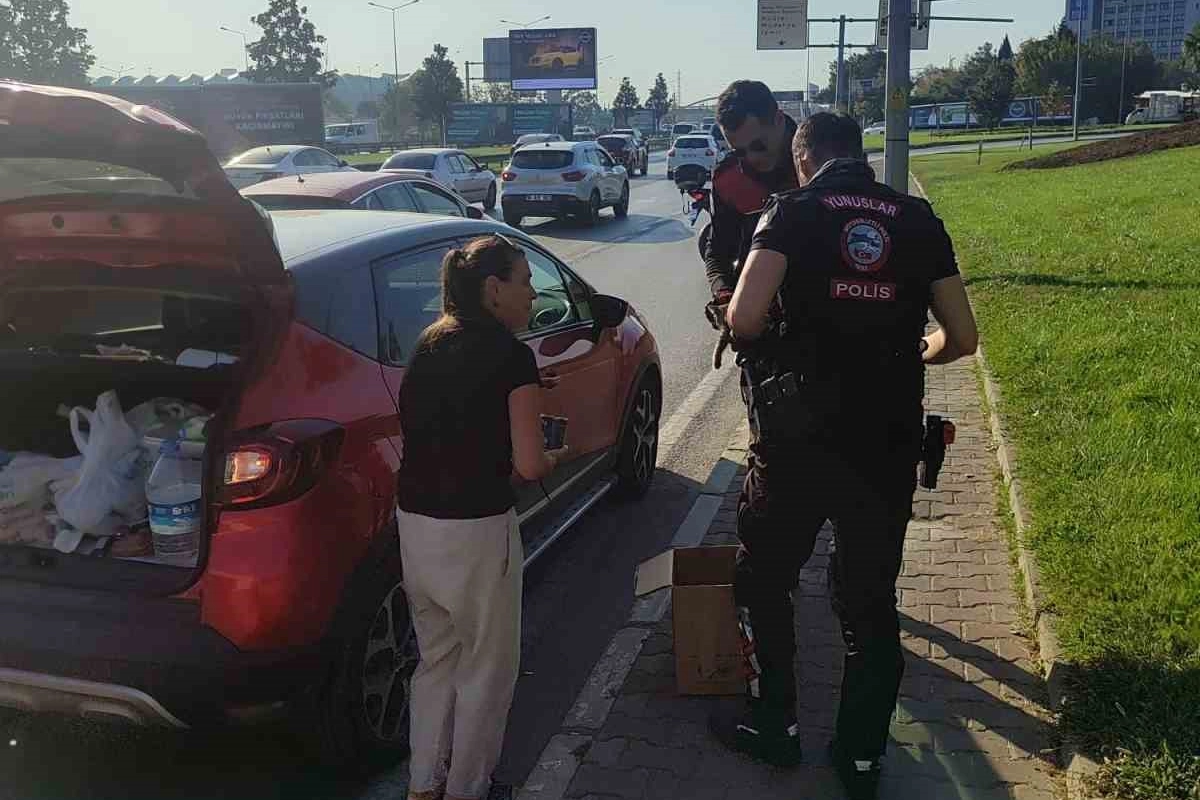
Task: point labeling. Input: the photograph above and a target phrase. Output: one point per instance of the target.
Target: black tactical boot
(860, 778)
(774, 744)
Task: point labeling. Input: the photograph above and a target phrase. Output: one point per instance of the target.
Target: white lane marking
(670, 435)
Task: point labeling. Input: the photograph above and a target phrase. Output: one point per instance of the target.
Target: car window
(580, 295)
(305, 158)
(339, 303)
(469, 164)
(408, 295)
(605, 160)
(536, 158)
(369, 203)
(435, 201)
(553, 305)
(261, 155)
(395, 197)
(456, 165)
(422, 161)
(325, 159)
(692, 142)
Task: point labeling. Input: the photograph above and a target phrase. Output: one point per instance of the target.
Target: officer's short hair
(827, 136)
(744, 99)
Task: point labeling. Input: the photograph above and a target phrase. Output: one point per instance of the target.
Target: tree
(991, 95)
(37, 44)
(1191, 49)
(435, 86)
(1006, 51)
(290, 48)
(399, 114)
(625, 102)
(869, 65)
(586, 108)
(659, 101)
(939, 85)
(493, 93)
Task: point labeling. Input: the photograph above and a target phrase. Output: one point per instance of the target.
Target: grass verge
(1084, 283)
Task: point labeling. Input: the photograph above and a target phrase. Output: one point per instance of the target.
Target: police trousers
(865, 489)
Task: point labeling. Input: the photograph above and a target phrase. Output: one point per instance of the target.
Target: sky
(707, 42)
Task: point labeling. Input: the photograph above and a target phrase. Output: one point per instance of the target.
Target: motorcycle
(692, 182)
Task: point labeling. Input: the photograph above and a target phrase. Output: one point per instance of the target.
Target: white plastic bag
(26, 478)
(111, 480)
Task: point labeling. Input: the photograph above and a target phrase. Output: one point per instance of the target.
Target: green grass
(489, 153)
(935, 139)
(1085, 284)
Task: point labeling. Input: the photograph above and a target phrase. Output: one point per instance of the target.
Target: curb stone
(1077, 766)
(564, 754)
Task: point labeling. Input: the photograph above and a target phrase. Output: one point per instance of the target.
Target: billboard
(239, 116)
(501, 123)
(552, 58)
(495, 61)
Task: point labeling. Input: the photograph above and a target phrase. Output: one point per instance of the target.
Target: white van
(350, 137)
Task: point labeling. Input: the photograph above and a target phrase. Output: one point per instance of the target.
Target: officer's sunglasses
(757, 146)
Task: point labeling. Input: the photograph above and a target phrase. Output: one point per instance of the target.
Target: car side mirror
(608, 311)
(474, 213)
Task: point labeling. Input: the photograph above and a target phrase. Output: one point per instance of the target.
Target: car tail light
(508, 176)
(671, 153)
(273, 465)
(574, 176)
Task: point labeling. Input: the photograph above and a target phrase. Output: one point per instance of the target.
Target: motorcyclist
(854, 269)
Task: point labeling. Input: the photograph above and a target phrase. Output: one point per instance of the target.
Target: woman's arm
(530, 459)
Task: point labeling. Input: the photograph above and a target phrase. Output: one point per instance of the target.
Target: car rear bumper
(140, 660)
(558, 205)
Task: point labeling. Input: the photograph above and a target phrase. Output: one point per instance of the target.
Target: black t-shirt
(861, 263)
(454, 414)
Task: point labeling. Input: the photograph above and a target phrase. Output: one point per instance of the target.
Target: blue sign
(1078, 10)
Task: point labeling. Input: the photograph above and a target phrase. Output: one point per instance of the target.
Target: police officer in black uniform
(758, 166)
(854, 268)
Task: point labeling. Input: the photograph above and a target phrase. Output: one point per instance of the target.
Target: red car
(392, 190)
(124, 246)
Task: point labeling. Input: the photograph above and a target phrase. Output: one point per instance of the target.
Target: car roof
(430, 151)
(307, 237)
(342, 185)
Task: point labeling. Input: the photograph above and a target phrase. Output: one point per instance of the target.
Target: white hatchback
(453, 169)
(279, 161)
(694, 149)
(563, 179)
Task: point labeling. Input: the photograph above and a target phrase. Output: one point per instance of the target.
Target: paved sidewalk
(970, 722)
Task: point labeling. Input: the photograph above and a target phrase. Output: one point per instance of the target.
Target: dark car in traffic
(390, 190)
(624, 151)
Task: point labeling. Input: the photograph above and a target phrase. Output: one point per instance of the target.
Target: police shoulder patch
(866, 244)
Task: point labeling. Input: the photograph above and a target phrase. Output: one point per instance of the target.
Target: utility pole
(678, 88)
(899, 58)
(841, 99)
(1078, 76)
(395, 47)
(1124, 58)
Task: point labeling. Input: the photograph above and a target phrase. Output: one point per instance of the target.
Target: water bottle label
(175, 528)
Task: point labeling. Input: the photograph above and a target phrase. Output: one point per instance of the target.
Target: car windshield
(411, 161)
(543, 159)
(39, 177)
(692, 143)
(612, 142)
(682, 129)
(260, 155)
(337, 130)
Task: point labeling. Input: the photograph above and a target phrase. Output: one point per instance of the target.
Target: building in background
(1162, 24)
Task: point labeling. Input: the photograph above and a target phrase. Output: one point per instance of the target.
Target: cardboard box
(708, 647)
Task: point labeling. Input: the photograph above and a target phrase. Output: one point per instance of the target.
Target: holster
(939, 433)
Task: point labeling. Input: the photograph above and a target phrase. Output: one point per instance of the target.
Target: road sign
(919, 20)
(782, 24)
(864, 85)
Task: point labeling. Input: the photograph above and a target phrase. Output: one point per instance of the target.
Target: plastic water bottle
(173, 493)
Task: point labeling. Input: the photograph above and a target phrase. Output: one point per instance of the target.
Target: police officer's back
(855, 267)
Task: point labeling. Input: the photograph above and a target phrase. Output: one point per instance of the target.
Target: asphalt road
(577, 595)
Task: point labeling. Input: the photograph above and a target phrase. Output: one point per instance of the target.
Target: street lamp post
(395, 47)
(1121, 99)
(245, 47)
(525, 24)
(1078, 76)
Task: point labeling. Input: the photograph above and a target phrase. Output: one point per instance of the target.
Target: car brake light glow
(574, 176)
(274, 465)
(508, 176)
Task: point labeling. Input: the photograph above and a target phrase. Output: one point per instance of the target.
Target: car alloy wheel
(489, 202)
(621, 209)
(593, 212)
(389, 662)
(639, 450)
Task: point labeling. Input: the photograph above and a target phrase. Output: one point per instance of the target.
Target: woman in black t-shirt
(469, 410)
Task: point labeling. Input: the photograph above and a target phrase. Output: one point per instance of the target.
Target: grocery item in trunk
(27, 476)
(25, 524)
(111, 478)
(173, 492)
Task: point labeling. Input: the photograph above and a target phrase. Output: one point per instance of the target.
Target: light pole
(525, 24)
(245, 47)
(1078, 75)
(1121, 100)
(395, 47)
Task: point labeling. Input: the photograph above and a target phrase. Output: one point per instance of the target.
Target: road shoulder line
(564, 753)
